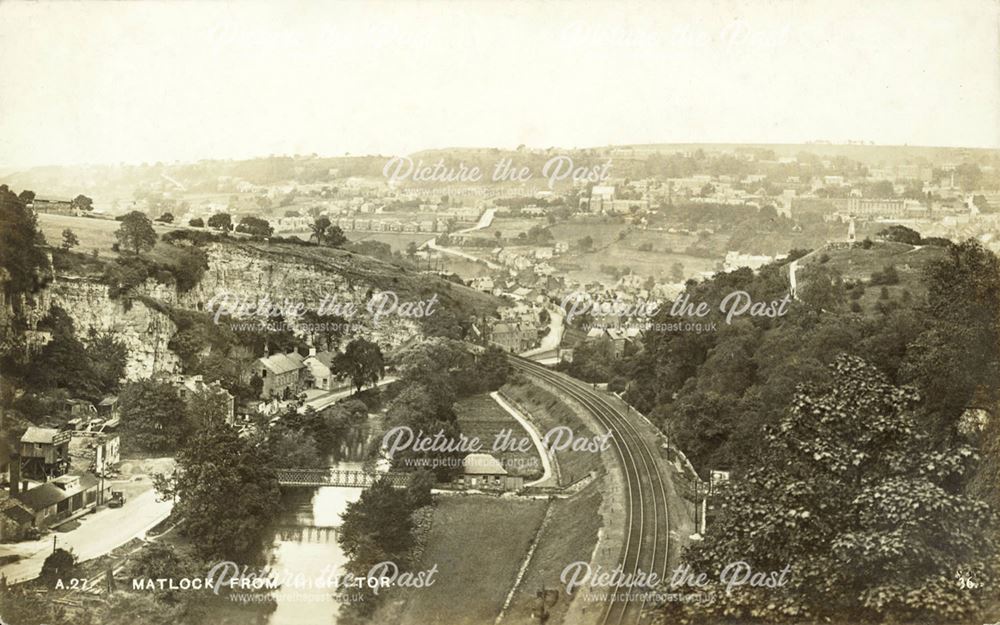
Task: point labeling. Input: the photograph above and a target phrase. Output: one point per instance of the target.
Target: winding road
(647, 533)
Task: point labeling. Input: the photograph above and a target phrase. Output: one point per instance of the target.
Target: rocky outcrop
(249, 275)
(234, 271)
(144, 331)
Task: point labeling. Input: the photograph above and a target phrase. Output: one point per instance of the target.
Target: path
(552, 340)
(529, 427)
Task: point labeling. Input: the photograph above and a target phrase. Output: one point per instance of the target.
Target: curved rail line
(647, 532)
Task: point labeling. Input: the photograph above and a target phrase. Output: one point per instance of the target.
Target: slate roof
(43, 496)
(281, 363)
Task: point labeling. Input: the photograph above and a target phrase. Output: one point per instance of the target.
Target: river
(302, 544)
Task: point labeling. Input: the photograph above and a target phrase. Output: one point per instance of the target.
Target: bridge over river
(346, 478)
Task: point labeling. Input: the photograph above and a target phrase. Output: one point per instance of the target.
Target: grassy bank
(569, 536)
(547, 412)
(478, 544)
(481, 417)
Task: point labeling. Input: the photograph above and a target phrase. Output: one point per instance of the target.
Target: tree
(196, 222)
(161, 561)
(63, 362)
(538, 235)
(221, 221)
(69, 239)
(824, 288)
(377, 527)
(362, 362)
(900, 234)
(426, 409)
(226, 493)
(191, 264)
(108, 356)
(167, 218)
(586, 243)
(411, 250)
(24, 262)
(418, 490)
(335, 236)
(82, 202)
(443, 364)
(293, 449)
(860, 506)
(880, 189)
(153, 416)
(58, 565)
(325, 331)
(319, 228)
(955, 361)
(492, 368)
(136, 233)
(255, 226)
(206, 407)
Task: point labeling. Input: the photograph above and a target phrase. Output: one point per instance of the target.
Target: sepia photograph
(483, 312)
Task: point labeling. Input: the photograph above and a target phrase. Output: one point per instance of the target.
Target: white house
(321, 369)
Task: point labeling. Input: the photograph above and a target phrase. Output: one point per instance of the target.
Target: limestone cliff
(244, 271)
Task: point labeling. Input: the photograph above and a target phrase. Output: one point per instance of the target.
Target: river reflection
(305, 543)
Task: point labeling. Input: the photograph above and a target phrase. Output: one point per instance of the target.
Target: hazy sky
(148, 81)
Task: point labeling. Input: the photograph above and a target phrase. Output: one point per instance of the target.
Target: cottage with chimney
(281, 374)
(321, 369)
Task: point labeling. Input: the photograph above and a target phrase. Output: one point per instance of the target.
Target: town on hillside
(478, 314)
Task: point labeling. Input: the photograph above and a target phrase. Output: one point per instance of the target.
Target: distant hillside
(866, 154)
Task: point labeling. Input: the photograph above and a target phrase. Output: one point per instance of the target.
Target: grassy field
(397, 240)
(509, 227)
(464, 268)
(588, 267)
(94, 234)
(482, 417)
(574, 230)
(478, 544)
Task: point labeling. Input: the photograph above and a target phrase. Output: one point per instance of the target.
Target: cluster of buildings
(374, 224)
(55, 475)
(284, 375)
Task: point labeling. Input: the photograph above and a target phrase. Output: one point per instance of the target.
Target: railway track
(647, 530)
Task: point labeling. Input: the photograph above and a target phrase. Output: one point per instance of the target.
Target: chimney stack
(15, 474)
